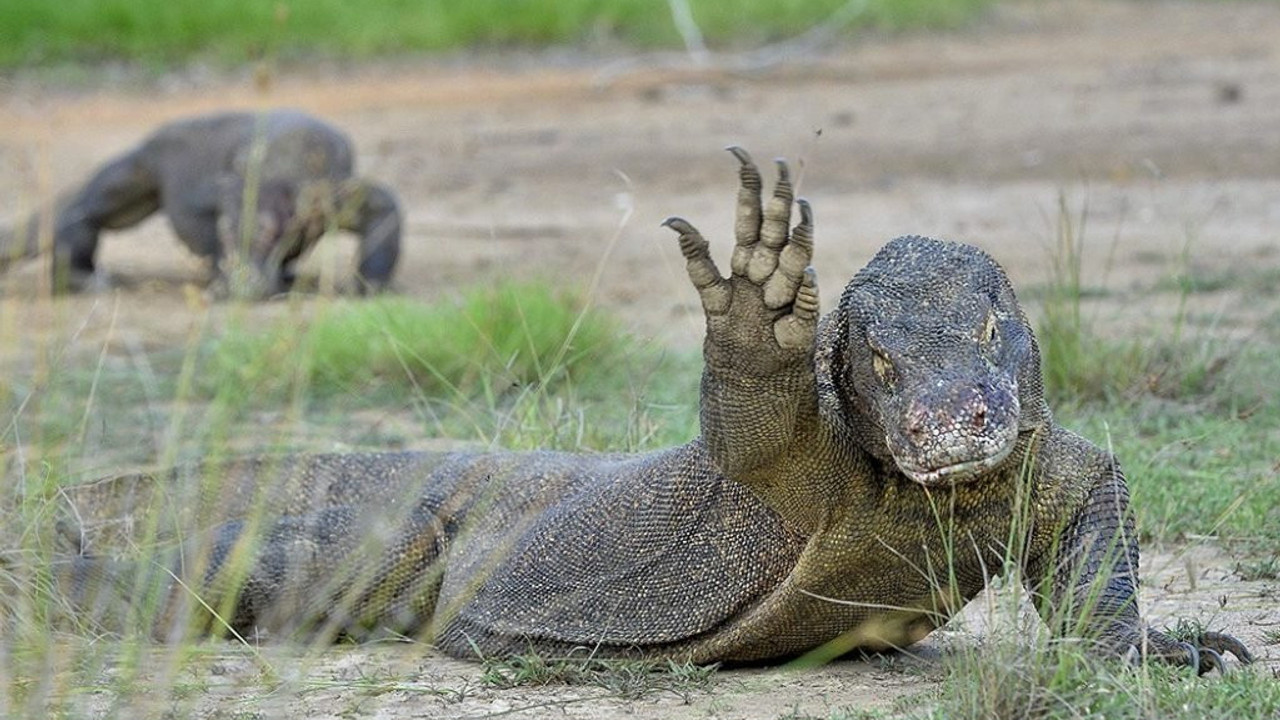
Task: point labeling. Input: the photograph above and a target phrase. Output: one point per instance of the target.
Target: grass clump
(517, 365)
(174, 31)
(493, 339)
(1267, 568)
(1077, 364)
(1007, 679)
(628, 679)
(1081, 365)
(1188, 410)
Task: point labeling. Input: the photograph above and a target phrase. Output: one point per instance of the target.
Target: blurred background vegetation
(40, 32)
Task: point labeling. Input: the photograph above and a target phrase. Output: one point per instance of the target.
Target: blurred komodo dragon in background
(855, 482)
(295, 172)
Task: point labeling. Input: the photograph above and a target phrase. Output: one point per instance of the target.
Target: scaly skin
(294, 172)
(856, 481)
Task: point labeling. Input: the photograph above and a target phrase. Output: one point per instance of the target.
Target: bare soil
(1156, 121)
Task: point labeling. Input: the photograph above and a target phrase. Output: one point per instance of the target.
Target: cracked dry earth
(1159, 117)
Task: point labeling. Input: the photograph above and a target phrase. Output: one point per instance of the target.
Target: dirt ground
(1157, 120)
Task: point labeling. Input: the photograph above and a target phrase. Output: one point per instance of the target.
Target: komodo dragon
(856, 481)
(294, 170)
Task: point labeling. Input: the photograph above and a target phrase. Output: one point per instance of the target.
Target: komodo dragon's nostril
(916, 423)
(979, 417)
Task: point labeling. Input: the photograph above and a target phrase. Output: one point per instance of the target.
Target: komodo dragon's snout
(953, 430)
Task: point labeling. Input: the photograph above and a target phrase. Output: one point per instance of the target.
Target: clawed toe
(679, 224)
(784, 171)
(1193, 656)
(695, 248)
(1211, 660)
(1204, 654)
(1222, 643)
(743, 156)
(701, 268)
(806, 213)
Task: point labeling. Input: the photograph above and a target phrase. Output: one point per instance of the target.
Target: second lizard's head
(928, 361)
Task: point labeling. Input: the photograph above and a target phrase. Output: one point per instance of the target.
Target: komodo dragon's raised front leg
(759, 396)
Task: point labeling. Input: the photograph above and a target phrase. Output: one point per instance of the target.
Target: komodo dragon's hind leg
(121, 194)
(338, 571)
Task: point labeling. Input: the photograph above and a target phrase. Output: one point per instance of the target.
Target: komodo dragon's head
(260, 245)
(928, 361)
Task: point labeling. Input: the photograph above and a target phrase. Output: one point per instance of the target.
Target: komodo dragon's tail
(98, 577)
(107, 595)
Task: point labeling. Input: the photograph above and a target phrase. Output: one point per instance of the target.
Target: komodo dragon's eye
(882, 365)
(989, 330)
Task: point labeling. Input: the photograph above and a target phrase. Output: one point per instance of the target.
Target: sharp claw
(806, 212)
(1226, 643)
(678, 224)
(784, 172)
(742, 155)
(1194, 655)
(1133, 656)
(1215, 660)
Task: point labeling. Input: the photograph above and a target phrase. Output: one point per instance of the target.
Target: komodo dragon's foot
(764, 316)
(1205, 654)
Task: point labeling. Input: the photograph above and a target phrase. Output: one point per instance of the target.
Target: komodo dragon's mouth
(955, 472)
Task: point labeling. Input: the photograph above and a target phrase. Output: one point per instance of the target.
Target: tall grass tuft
(491, 341)
(1188, 409)
(1078, 364)
(1082, 365)
(1061, 681)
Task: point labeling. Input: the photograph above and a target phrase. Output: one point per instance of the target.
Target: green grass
(531, 366)
(492, 341)
(517, 365)
(166, 32)
(513, 365)
(626, 679)
(1187, 410)
(1011, 679)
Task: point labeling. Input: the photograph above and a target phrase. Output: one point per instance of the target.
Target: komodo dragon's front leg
(257, 250)
(1087, 586)
(759, 394)
(370, 210)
